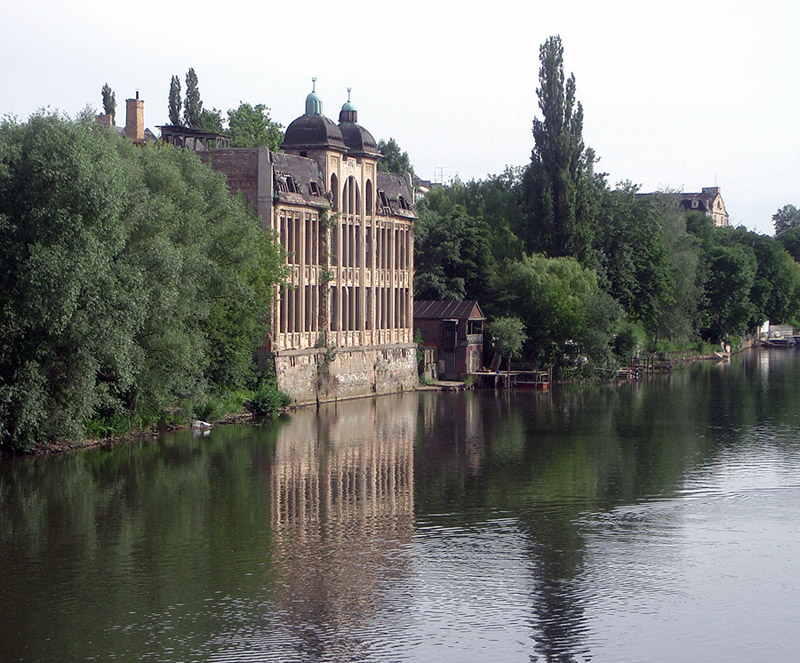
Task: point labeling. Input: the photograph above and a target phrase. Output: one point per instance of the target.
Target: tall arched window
(351, 197)
(335, 192)
(368, 210)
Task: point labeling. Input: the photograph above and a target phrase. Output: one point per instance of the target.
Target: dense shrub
(129, 280)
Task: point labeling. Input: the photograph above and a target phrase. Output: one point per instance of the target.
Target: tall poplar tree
(559, 191)
(109, 102)
(175, 101)
(192, 105)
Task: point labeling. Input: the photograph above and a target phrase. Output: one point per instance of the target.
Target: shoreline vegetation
(135, 291)
(680, 359)
(134, 288)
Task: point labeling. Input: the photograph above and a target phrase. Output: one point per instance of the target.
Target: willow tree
(508, 337)
(132, 282)
(559, 190)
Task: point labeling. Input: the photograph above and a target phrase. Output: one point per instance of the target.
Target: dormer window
(383, 202)
(313, 189)
(285, 183)
(403, 203)
(695, 204)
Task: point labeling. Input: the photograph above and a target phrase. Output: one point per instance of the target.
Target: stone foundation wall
(327, 375)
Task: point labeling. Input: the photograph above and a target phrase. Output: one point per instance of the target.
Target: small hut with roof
(453, 330)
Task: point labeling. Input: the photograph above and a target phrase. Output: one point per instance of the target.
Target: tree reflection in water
(503, 526)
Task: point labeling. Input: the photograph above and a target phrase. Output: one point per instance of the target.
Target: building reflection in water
(342, 507)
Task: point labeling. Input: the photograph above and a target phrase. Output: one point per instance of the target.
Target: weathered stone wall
(325, 375)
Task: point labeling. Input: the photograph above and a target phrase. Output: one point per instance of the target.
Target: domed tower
(359, 141)
(313, 135)
(350, 282)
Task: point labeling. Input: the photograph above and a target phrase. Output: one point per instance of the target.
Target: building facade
(342, 323)
(708, 201)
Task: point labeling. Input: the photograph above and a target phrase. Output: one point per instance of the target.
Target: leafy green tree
(109, 102)
(790, 240)
(631, 254)
(785, 218)
(251, 126)
(210, 121)
(63, 216)
(131, 280)
(395, 160)
(775, 291)
(452, 249)
(559, 190)
(495, 200)
(508, 337)
(677, 316)
(175, 101)
(564, 310)
(730, 278)
(192, 104)
(746, 278)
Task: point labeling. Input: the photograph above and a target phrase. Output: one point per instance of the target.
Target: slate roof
(313, 131)
(359, 141)
(432, 309)
(705, 199)
(397, 195)
(297, 180)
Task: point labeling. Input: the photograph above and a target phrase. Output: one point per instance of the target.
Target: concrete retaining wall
(327, 375)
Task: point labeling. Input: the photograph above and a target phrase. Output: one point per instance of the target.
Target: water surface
(657, 521)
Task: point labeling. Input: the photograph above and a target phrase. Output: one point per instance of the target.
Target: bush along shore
(243, 407)
(134, 288)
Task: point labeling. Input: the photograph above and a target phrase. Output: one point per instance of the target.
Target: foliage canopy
(251, 126)
(558, 183)
(594, 271)
(131, 280)
(109, 101)
(395, 160)
(175, 101)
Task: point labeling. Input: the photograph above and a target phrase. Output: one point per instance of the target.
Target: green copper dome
(313, 104)
(348, 112)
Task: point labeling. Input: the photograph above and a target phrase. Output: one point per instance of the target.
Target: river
(653, 521)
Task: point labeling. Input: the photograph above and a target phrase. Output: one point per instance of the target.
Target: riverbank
(53, 448)
(681, 359)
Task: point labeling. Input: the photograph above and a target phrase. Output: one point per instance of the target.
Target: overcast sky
(680, 94)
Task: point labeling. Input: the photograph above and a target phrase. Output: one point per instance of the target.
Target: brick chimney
(134, 119)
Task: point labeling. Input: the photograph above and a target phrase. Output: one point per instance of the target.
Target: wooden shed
(453, 330)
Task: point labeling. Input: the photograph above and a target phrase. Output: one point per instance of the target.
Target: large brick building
(342, 325)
